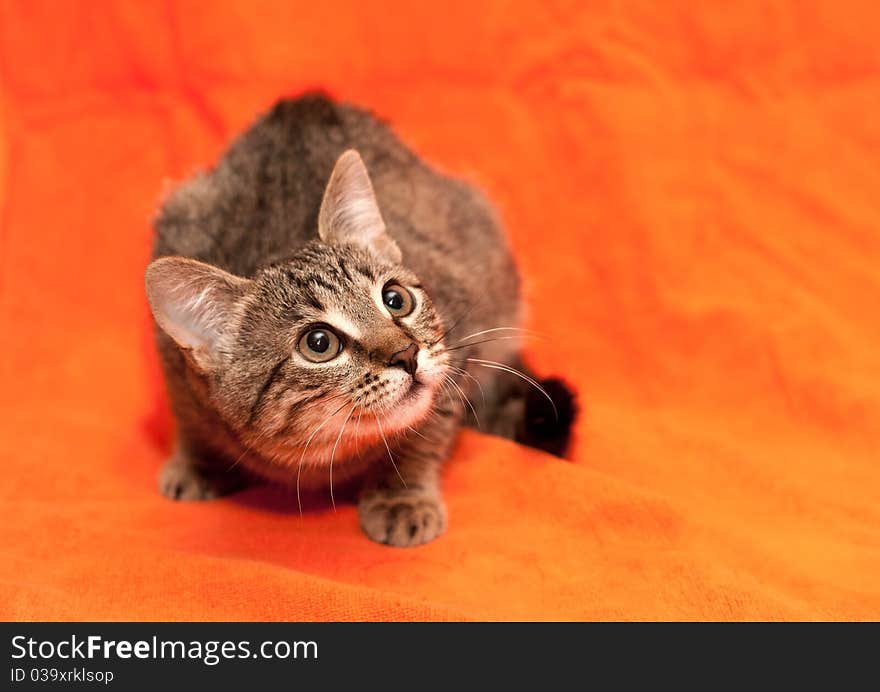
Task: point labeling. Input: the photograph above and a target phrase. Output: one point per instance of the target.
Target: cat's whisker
(333, 453)
(357, 432)
(247, 448)
(513, 371)
(390, 456)
(303, 455)
(312, 403)
(462, 371)
(460, 346)
(522, 330)
(444, 386)
(456, 323)
(409, 427)
(431, 416)
(250, 447)
(464, 400)
(291, 441)
(386, 410)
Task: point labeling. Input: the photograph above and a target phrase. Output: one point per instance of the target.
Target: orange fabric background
(693, 195)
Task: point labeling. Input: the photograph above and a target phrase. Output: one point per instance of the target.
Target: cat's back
(256, 203)
(260, 203)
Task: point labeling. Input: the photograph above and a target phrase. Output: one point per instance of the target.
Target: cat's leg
(192, 475)
(404, 506)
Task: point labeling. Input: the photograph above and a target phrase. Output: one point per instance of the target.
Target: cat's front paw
(179, 480)
(402, 518)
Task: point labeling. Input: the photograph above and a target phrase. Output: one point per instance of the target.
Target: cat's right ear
(349, 212)
(193, 303)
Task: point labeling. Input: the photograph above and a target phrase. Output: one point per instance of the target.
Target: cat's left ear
(350, 214)
(193, 303)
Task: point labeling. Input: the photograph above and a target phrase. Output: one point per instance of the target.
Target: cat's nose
(406, 359)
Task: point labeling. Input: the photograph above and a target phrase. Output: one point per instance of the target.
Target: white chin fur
(391, 416)
(406, 409)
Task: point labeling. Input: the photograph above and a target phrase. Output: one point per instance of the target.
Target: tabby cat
(318, 323)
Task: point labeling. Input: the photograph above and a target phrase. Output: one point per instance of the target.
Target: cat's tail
(548, 426)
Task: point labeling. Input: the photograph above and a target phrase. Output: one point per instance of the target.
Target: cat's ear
(193, 303)
(349, 212)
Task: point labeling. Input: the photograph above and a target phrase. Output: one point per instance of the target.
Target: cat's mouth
(348, 427)
(416, 389)
(409, 394)
(405, 408)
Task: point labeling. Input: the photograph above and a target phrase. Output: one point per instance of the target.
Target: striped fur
(252, 254)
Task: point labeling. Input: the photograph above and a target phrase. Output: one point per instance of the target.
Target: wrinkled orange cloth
(692, 192)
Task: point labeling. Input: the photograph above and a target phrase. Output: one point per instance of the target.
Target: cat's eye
(320, 345)
(397, 300)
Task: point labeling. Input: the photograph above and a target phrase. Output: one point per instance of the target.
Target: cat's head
(341, 334)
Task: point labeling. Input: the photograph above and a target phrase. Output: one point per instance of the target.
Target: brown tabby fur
(245, 273)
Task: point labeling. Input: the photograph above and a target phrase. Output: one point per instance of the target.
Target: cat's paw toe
(402, 518)
(180, 481)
